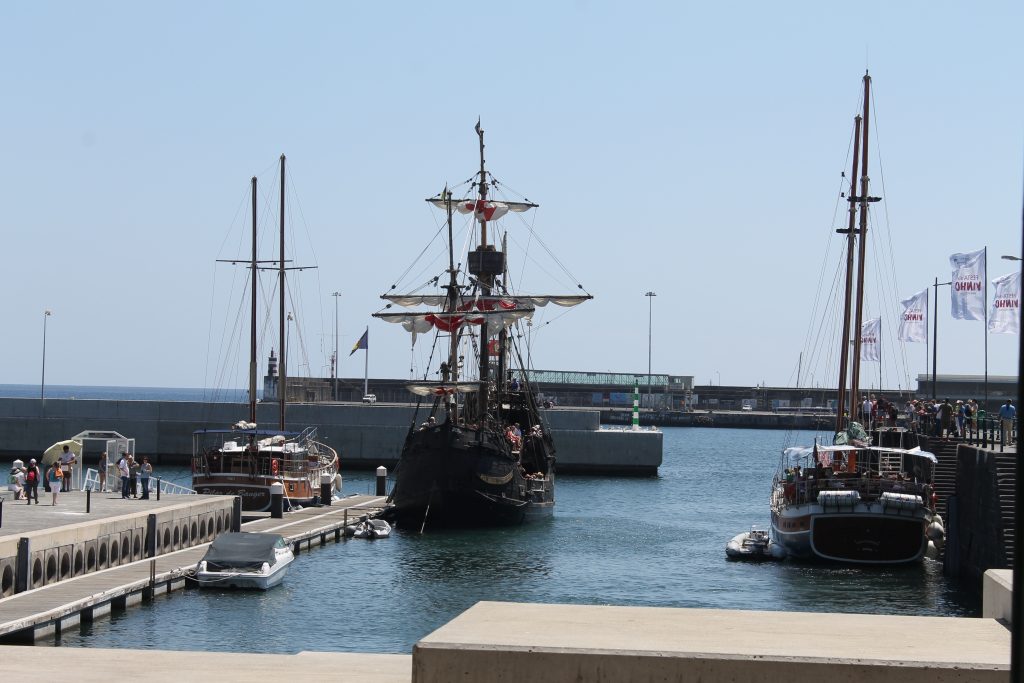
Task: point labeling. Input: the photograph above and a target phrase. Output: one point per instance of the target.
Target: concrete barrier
(539, 643)
(997, 595)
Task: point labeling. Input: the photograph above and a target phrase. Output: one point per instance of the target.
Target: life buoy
(275, 465)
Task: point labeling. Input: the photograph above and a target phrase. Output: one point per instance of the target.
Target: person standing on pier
(67, 462)
(102, 467)
(1007, 414)
(122, 469)
(133, 481)
(32, 477)
(146, 471)
(54, 475)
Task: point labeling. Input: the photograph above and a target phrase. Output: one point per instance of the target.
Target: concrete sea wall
(365, 435)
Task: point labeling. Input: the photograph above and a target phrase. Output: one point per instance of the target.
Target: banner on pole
(914, 321)
(968, 286)
(1005, 315)
(871, 339)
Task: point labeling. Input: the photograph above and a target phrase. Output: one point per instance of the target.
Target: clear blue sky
(689, 149)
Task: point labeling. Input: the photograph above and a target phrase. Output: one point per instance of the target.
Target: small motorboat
(755, 544)
(244, 560)
(370, 528)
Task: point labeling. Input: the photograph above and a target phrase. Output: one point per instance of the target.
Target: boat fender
(337, 482)
(932, 552)
(265, 569)
(936, 533)
(275, 466)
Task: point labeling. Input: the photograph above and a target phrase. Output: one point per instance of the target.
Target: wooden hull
(867, 535)
(454, 476)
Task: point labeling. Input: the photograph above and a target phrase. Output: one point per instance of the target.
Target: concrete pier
(495, 641)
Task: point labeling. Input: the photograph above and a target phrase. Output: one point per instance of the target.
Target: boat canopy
(248, 432)
(242, 550)
(796, 454)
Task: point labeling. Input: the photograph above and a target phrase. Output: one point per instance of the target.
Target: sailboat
(482, 454)
(246, 460)
(850, 501)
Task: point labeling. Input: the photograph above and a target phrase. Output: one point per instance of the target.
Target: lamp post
(1007, 257)
(334, 363)
(719, 374)
(650, 320)
(42, 382)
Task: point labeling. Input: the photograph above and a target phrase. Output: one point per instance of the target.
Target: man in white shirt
(67, 459)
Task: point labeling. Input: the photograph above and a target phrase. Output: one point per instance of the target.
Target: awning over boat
(520, 300)
(242, 550)
(442, 389)
(795, 453)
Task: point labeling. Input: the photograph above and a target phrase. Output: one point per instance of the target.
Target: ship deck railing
(869, 488)
(91, 482)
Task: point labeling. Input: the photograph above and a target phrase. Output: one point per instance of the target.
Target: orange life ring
(275, 464)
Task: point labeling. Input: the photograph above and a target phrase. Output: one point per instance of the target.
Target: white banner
(1005, 315)
(914, 321)
(968, 286)
(871, 340)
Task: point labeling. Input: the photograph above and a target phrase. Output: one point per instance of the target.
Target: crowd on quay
(941, 419)
(24, 480)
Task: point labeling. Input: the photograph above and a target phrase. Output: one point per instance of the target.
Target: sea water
(652, 541)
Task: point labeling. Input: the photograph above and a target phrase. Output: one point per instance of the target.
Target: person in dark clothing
(32, 478)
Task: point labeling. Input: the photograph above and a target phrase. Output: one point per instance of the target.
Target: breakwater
(365, 435)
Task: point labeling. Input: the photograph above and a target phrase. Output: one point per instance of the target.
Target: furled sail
(538, 301)
(441, 389)
(448, 322)
(484, 210)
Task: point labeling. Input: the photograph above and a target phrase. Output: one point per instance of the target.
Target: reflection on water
(657, 541)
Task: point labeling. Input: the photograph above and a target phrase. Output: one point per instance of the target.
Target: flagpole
(985, 326)
(366, 363)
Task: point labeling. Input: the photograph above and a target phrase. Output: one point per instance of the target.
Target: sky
(690, 149)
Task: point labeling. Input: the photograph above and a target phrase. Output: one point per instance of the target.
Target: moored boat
(482, 454)
(246, 460)
(244, 560)
(850, 501)
(755, 544)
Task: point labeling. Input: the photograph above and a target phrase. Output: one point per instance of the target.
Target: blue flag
(363, 343)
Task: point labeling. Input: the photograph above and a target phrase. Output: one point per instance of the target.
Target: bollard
(326, 484)
(88, 500)
(382, 480)
(236, 514)
(22, 568)
(1, 512)
(277, 500)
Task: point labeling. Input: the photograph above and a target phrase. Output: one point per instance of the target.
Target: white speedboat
(244, 560)
(753, 545)
(371, 528)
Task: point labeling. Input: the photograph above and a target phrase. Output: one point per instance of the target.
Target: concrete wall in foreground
(366, 435)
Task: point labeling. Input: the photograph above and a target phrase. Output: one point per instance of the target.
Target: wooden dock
(43, 612)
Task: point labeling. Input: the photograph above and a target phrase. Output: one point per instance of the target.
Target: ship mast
(283, 374)
(252, 322)
(850, 232)
(863, 200)
(451, 404)
(484, 263)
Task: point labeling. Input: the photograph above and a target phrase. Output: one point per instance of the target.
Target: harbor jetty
(76, 561)
(365, 435)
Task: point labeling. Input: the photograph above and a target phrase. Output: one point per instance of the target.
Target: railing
(987, 431)
(91, 482)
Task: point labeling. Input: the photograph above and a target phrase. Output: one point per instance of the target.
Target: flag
(968, 286)
(914, 321)
(363, 343)
(1005, 315)
(477, 126)
(871, 339)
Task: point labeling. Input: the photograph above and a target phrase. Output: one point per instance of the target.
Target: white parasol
(52, 454)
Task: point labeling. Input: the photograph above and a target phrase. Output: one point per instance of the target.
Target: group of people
(878, 412)
(24, 480)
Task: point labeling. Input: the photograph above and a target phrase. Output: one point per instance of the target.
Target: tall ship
(246, 459)
(850, 501)
(478, 451)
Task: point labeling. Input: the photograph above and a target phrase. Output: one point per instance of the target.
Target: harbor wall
(365, 435)
(978, 528)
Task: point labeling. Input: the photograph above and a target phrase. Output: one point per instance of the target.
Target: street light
(1010, 258)
(42, 382)
(334, 361)
(719, 377)
(650, 320)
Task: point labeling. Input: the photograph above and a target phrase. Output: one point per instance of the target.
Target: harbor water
(657, 541)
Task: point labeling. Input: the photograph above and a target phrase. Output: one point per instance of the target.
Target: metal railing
(91, 482)
(986, 431)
